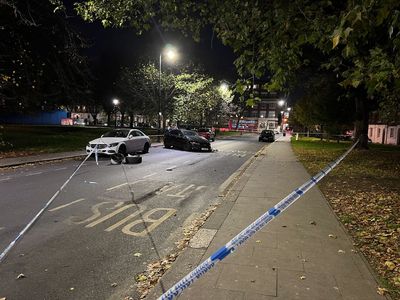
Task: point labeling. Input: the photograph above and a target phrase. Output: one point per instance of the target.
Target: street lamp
(281, 102)
(115, 102)
(171, 55)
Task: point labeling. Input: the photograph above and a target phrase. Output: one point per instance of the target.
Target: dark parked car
(185, 139)
(266, 136)
(207, 133)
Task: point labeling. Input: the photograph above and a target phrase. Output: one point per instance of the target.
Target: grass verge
(364, 191)
(19, 140)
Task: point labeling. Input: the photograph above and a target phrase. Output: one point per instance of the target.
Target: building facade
(384, 134)
(268, 113)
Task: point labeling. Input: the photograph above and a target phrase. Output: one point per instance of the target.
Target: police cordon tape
(29, 225)
(258, 224)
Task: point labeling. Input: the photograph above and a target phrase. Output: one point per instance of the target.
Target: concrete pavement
(302, 254)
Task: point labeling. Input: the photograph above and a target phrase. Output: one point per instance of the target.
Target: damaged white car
(124, 141)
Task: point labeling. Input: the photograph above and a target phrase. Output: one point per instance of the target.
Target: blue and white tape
(258, 224)
(29, 225)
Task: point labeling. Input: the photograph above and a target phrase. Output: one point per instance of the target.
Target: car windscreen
(189, 132)
(116, 133)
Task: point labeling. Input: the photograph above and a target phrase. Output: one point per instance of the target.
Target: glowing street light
(171, 55)
(281, 102)
(115, 101)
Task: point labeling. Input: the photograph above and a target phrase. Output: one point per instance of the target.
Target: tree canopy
(357, 40)
(40, 61)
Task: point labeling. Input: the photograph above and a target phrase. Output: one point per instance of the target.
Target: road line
(152, 174)
(200, 187)
(187, 161)
(1, 228)
(123, 184)
(65, 205)
(116, 225)
(31, 174)
(8, 178)
(59, 169)
(110, 215)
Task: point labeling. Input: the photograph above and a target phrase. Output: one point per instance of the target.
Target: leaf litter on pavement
(156, 269)
(364, 192)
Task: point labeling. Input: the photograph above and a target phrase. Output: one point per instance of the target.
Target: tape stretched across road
(258, 224)
(35, 218)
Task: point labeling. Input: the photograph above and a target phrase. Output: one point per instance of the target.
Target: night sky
(113, 48)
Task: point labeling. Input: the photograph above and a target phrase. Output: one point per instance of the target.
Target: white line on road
(123, 184)
(1, 228)
(186, 161)
(4, 179)
(152, 174)
(32, 174)
(65, 205)
(180, 194)
(59, 169)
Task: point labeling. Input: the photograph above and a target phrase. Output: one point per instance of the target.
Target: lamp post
(115, 102)
(171, 55)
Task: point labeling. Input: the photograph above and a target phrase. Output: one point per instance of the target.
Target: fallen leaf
(4, 298)
(114, 284)
(302, 277)
(332, 236)
(71, 289)
(21, 276)
(258, 241)
(390, 265)
(341, 251)
(381, 291)
(313, 223)
(140, 278)
(137, 254)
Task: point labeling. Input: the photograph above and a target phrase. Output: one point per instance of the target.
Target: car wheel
(122, 149)
(167, 146)
(146, 148)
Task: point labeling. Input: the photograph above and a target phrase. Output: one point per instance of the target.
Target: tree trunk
(122, 119)
(109, 119)
(131, 120)
(237, 122)
(361, 122)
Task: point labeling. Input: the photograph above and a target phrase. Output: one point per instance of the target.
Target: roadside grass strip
(40, 213)
(258, 224)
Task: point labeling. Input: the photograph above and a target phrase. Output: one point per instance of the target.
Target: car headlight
(113, 145)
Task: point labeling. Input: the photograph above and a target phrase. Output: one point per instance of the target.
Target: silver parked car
(125, 141)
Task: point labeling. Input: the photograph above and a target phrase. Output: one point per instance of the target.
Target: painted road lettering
(154, 223)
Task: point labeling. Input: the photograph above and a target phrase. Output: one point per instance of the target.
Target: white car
(125, 141)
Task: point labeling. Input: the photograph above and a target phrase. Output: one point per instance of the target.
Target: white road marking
(200, 187)
(152, 174)
(65, 205)
(187, 161)
(32, 174)
(59, 169)
(4, 179)
(1, 228)
(180, 194)
(123, 184)
(166, 188)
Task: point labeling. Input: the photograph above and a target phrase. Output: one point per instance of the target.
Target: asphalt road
(92, 241)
